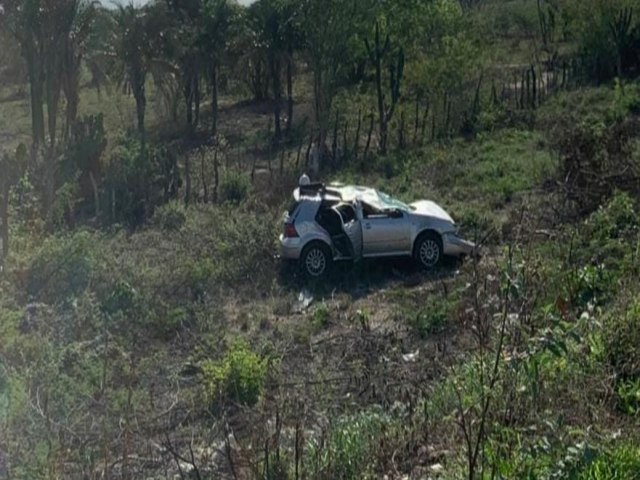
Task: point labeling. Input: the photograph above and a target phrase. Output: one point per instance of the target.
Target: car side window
(368, 211)
(347, 212)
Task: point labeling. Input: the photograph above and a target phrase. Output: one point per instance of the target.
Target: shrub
(234, 187)
(350, 448)
(622, 337)
(614, 220)
(64, 267)
(171, 216)
(629, 396)
(198, 273)
(622, 462)
(138, 177)
(238, 377)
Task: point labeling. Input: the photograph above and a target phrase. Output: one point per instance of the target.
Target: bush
(65, 266)
(234, 187)
(623, 462)
(238, 377)
(139, 177)
(349, 451)
(622, 337)
(614, 220)
(430, 319)
(171, 216)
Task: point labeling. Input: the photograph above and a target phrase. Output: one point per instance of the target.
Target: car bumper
(290, 248)
(456, 246)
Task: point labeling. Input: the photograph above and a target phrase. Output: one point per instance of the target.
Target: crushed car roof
(337, 192)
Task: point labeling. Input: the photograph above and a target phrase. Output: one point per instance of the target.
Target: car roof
(336, 192)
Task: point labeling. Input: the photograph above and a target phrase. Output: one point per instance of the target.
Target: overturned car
(329, 223)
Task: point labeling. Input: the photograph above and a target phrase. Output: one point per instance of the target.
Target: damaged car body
(344, 222)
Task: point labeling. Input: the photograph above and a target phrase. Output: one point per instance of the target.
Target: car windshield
(388, 202)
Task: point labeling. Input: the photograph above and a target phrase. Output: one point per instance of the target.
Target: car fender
(429, 224)
(316, 236)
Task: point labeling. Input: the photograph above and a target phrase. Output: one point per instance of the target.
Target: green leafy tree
(331, 29)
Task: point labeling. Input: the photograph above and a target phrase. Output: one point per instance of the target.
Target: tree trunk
(381, 113)
(187, 177)
(289, 93)
(196, 101)
(188, 103)
(366, 148)
(96, 196)
(36, 85)
(214, 99)
(356, 142)
(141, 100)
(274, 65)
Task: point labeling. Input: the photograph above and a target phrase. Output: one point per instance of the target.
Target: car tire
(316, 261)
(428, 251)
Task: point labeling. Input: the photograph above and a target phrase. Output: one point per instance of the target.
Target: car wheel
(428, 250)
(316, 260)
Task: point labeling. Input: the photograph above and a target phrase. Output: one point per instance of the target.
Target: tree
(331, 28)
(132, 53)
(377, 51)
(275, 26)
(76, 45)
(25, 21)
(220, 20)
(48, 32)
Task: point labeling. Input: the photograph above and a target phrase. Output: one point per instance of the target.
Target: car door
(386, 233)
(352, 226)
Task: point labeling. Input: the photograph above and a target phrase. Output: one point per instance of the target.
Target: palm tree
(136, 51)
(274, 23)
(76, 45)
(220, 21)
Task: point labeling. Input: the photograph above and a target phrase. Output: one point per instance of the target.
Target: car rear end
(290, 241)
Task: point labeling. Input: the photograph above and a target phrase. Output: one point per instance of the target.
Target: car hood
(428, 208)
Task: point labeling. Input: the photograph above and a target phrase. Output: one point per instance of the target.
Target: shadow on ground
(366, 277)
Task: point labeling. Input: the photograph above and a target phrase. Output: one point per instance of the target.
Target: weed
(320, 317)
(238, 377)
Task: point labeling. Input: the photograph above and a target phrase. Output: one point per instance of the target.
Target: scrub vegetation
(147, 154)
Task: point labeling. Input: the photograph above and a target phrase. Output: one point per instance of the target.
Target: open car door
(352, 226)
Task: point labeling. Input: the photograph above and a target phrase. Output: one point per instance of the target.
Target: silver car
(344, 222)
